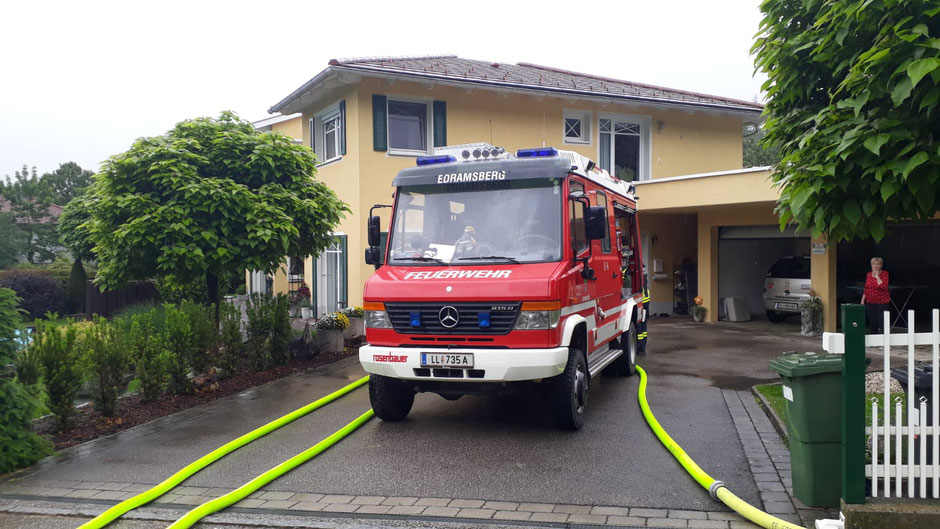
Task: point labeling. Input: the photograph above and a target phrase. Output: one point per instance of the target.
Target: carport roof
(451, 69)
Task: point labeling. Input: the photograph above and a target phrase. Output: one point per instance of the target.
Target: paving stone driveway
(708, 351)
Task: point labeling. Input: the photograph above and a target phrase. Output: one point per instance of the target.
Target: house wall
(673, 238)
(292, 127)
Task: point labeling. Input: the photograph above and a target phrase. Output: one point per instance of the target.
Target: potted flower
(698, 311)
(297, 299)
(357, 326)
(306, 311)
(811, 315)
(330, 332)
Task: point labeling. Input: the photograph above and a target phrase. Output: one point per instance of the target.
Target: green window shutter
(379, 123)
(314, 284)
(383, 239)
(342, 127)
(313, 135)
(344, 268)
(440, 123)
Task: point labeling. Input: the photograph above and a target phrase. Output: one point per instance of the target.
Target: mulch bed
(88, 424)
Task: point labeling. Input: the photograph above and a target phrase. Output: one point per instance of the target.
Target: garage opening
(911, 253)
(746, 253)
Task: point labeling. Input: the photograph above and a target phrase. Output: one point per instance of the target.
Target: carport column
(708, 266)
(823, 279)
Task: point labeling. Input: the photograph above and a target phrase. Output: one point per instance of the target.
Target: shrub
(39, 293)
(105, 360)
(280, 331)
(28, 366)
(150, 356)
(336, 321)
(230, 338)
(353, 312)
(148, 309)
(55, 348)
(204, 335)
(75, 291)
(260, 312)
(20, 447)
(179, 342)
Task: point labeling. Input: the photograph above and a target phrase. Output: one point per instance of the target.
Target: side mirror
(370, 256)
(595, 225)
(375, 230)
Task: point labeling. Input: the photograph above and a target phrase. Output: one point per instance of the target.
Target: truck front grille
(501, 315)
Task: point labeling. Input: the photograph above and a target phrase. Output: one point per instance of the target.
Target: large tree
(12, 241)
(853, 97)
(209, 196)
(67, 182)
(30, 198)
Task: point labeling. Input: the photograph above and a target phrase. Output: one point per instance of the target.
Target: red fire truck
(502, 272)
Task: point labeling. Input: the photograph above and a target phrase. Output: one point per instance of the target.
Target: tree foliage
(29, 198)
(208, 197)
(12, 241)
(853, 97)
(756, 154)
(73, 233)
(67, 182)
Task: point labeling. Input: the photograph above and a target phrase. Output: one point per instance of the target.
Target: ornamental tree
(853, 97)
(209, 196)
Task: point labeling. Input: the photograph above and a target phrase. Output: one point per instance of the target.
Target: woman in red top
(876, 297)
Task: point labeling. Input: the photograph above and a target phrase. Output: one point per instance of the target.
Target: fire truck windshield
(511, 221)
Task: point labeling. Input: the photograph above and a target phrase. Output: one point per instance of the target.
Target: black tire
(625, 364)
(570, 392)
(391, 398)
(775, 316)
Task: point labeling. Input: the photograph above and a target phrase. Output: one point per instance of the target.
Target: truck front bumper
(489, 365)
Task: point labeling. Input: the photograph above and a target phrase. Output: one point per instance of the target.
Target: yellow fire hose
(145, 497)
(716, 488)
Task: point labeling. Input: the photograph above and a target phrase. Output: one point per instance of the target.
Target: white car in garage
(786, 287)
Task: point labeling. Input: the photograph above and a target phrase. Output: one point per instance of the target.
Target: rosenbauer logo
(460, 274)
(398, 359)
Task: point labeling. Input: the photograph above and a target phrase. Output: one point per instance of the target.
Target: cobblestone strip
(767, 456)
(411, 507)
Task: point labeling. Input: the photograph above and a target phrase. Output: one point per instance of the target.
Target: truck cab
(502, 272)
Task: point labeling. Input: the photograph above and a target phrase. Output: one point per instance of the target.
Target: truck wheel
(570, 392)
(775, 316)
(625, 364)
(391, 398)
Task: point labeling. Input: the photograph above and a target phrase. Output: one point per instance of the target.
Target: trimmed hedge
(39, 291)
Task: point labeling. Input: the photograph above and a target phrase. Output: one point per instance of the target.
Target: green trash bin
(812, 387)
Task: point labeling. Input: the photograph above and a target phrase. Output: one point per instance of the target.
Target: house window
(408, 126)
(624, 146)
(330, 276)
(331, 137)
(577, 126)
(326, 131)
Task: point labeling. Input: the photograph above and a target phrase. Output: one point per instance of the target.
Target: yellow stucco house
(368, 118)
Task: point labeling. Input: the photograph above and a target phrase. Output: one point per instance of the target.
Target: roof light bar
(534, 153)
(430, 160)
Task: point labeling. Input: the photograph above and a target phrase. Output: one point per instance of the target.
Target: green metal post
(853, 404)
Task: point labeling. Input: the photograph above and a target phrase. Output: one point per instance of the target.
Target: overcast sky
(82, 80)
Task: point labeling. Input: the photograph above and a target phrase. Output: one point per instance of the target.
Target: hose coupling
(713, 490)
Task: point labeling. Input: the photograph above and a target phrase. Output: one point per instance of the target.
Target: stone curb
(775, 419)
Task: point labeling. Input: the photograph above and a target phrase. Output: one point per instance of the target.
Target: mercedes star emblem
(449, 316)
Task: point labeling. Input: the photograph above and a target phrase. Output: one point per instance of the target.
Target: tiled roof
(534, 77)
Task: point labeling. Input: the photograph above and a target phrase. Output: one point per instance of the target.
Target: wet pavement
(486, 449)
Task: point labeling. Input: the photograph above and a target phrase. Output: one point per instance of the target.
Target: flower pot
(357, 328)
(306, 312)
(811, 321)
(698, 316)
(330, 340)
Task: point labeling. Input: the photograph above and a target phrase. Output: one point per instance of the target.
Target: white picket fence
(889, 470)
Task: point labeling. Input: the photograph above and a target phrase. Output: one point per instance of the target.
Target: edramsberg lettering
(475, 176)
(390, 358)
(460, 274)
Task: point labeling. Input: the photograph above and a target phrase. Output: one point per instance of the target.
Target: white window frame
(428, 120)
(587, 124)
(327, 114)
(322, 284)
(646, 143)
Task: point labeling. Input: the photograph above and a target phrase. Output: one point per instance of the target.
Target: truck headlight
(538, 315)
(375, 315)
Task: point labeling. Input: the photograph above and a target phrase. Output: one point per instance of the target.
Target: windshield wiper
(421, 258)
(510, 259)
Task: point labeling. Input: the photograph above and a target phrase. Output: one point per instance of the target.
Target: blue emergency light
(535, 153)
(483, 318)
(415, 318)
(430, 160)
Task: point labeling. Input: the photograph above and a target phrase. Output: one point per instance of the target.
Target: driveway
(471, 459)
